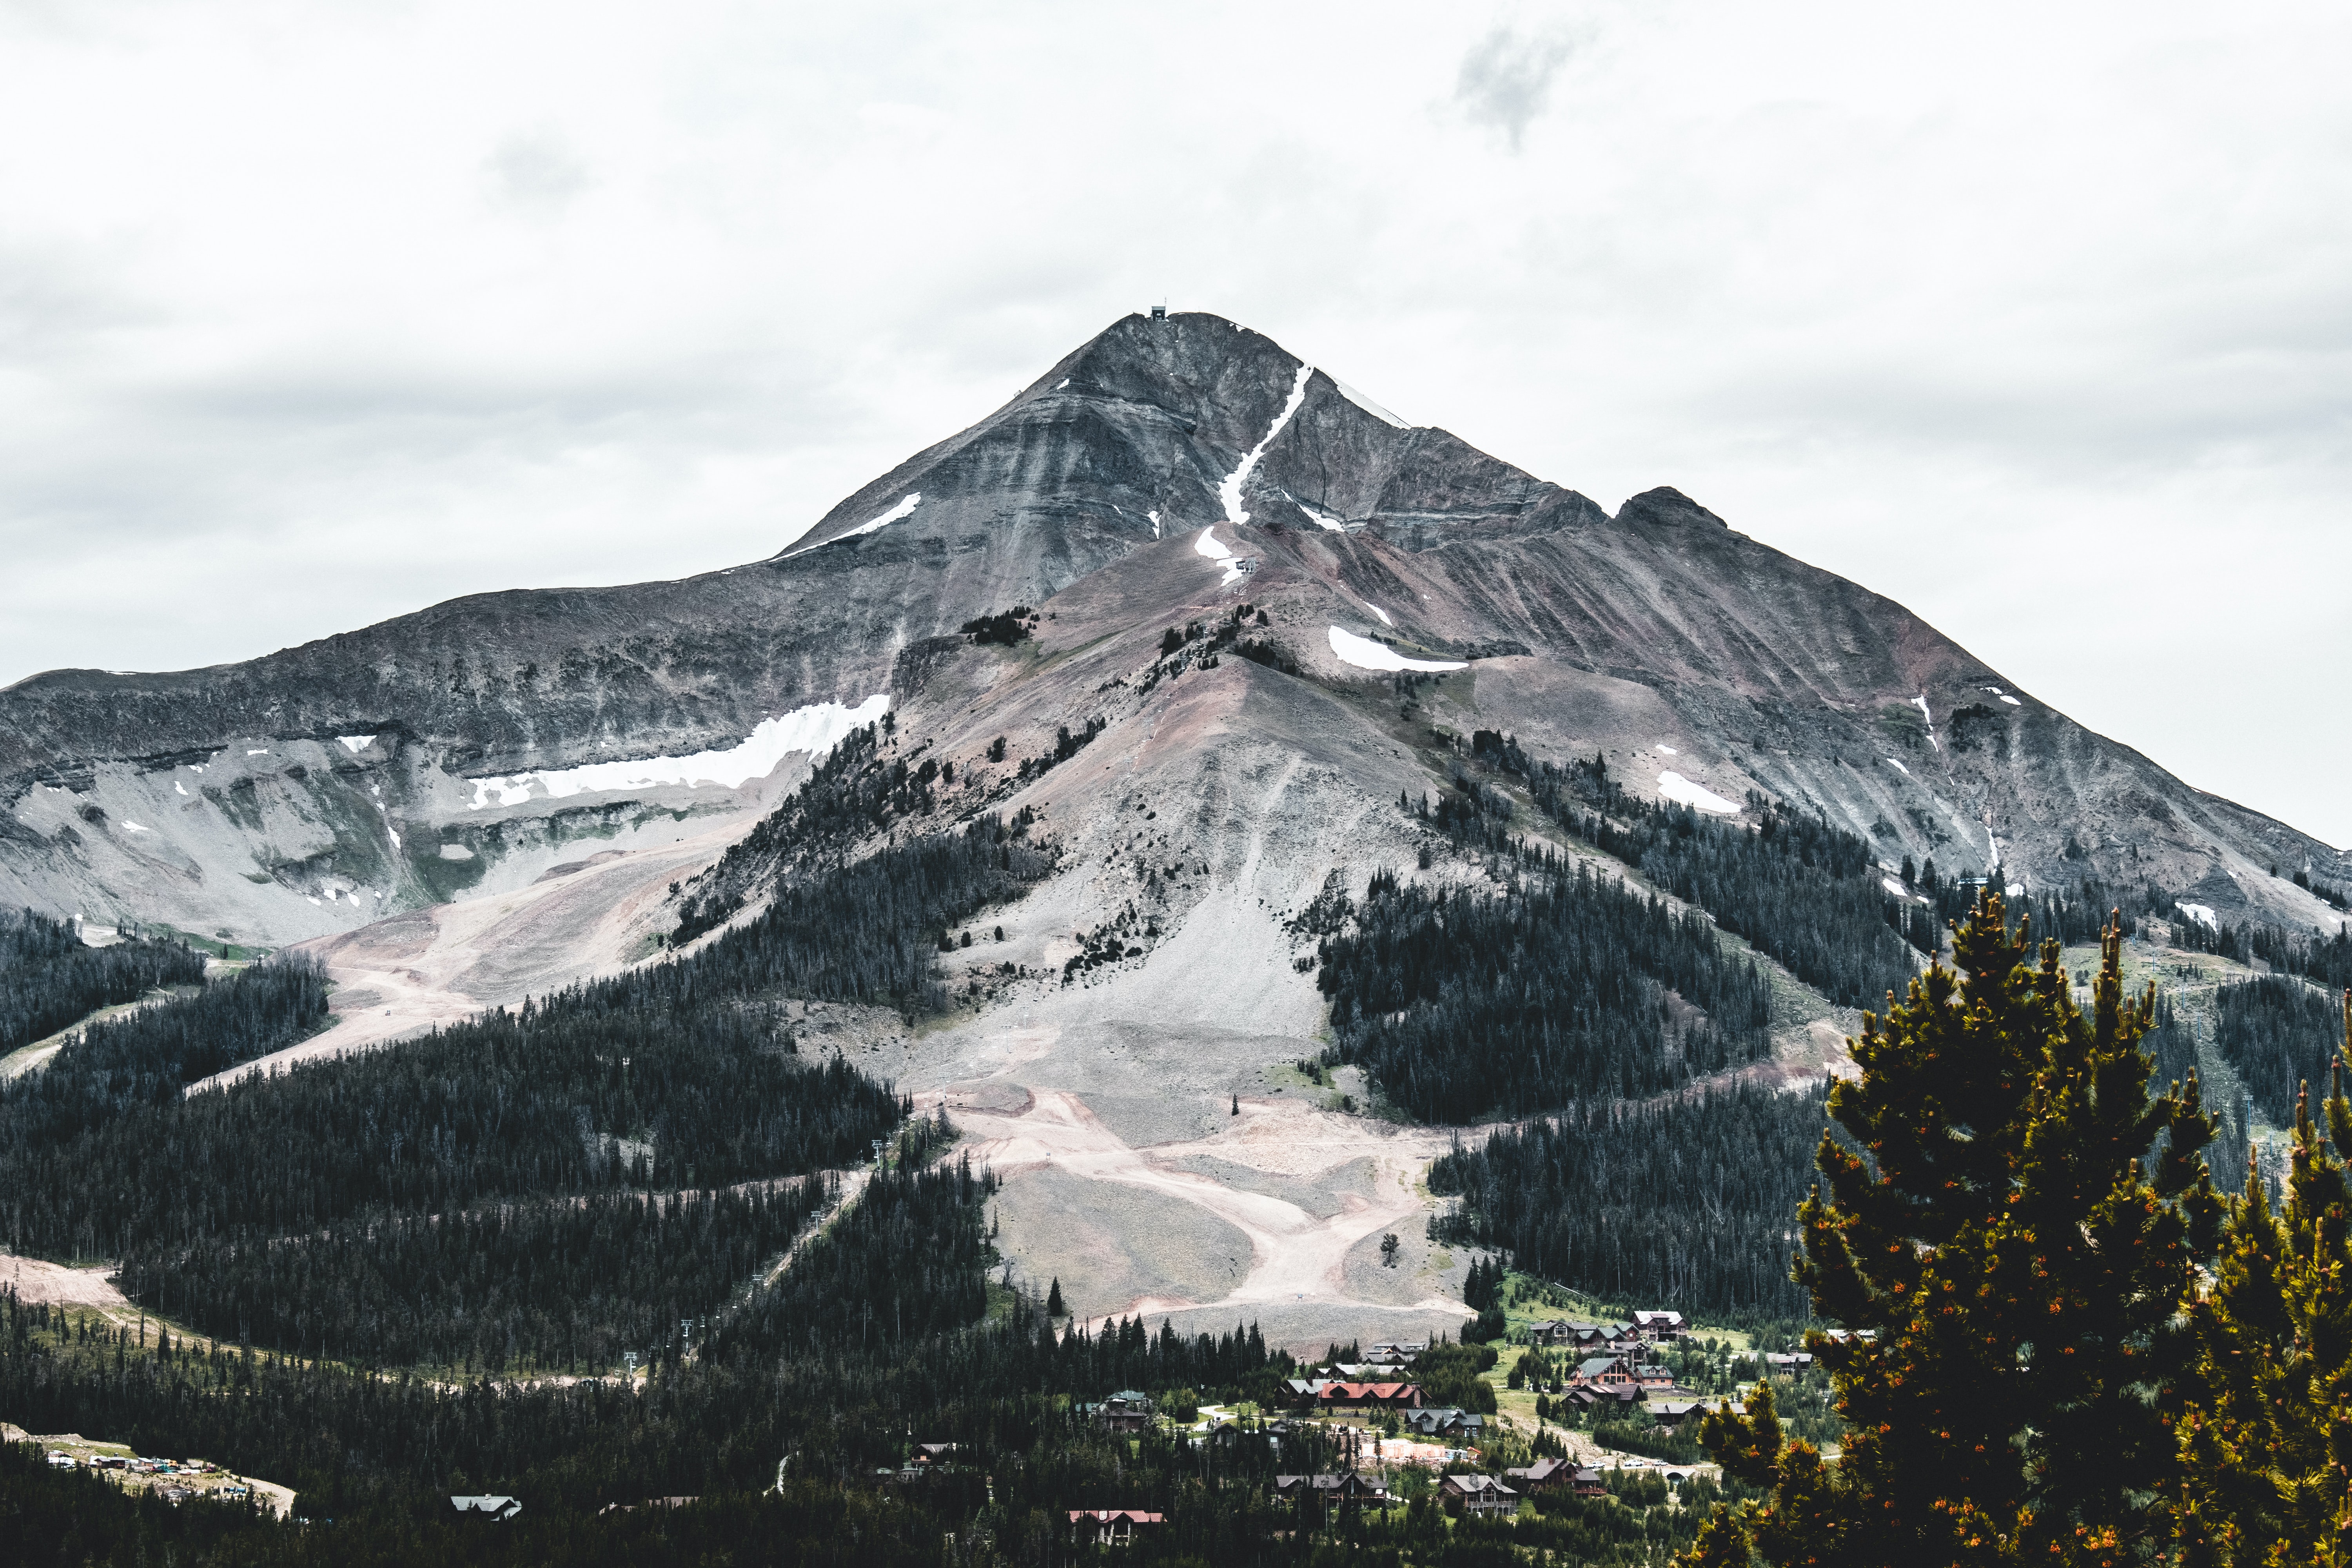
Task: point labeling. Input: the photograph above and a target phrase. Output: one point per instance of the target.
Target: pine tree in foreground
(2014, 1227)
(2266, 1411)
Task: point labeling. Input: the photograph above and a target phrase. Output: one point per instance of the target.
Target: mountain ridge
(1625, 632)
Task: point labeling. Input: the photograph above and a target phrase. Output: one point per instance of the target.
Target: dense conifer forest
(1686, 1198)
(562, 1285)
(879, 1335)
(537, 1102)
(1793, 886)
(48, 979)
(1558, 988)
(532, 1188)
(854, 792)
(148, 1057)
(2280, 1035)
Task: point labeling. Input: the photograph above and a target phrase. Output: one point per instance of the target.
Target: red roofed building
(1111, 1526)
(1369, 1396)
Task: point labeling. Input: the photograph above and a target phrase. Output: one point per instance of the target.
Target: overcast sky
(2037, 318)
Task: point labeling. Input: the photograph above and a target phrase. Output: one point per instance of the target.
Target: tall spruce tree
(2012, 1233)
(2266, 1411)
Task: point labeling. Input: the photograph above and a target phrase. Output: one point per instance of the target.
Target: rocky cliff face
(316, 788)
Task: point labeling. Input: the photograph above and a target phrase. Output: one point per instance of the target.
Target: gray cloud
(535, 173)
(1505, 80)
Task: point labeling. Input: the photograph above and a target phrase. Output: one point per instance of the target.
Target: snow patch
(1366, 404)
(1894, 887)
(1366, 654)
(355, 744)
(1207, 545)
(2015, 890)
(1061, 384)
(456, 852)
(1378, 611)
(1898, 767)
(1322, 519)
(1668, 750)
(2203, 914)
(818, 728)
(1155, 523)
(2012, 701)
(904, 509)
(1921, 701)
(133, 827)
(262, 752)
(1684, 792)
(178, 786)
(1229, 491)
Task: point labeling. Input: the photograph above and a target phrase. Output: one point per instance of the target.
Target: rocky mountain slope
(316, 788)
(1263, 609)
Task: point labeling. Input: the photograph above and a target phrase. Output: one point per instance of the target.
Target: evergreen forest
(1684, 1198)
(1562, 986)
(49, 979)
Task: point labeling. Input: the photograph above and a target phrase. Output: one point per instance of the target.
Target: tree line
(881, 1331)
(539, 1101)
(1553, 990)
(853, 793)
(49, 979)
(148, 1057)
(1684, 1200)
(2279, 1036)
(1806, 893)
(563, 1284)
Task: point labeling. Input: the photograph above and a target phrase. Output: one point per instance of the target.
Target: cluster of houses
(1619, 1368)
(1342, 1396)
(228, 1488)
(131, 1464)
(1646, 1329)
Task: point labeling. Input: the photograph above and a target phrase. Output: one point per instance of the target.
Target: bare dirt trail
(54, 1283)
(1295, 1256)
(853, 1186)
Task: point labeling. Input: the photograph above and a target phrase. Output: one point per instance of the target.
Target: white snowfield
(818, 728)
(1366, 404)
(1229, 491)
(1668, 750)
(1684, 792)
(1921, 701)
(1898, 767)
(1378, 611)
(2203, 914)
(1366, 654)
(1894, 887)
(354, 744)
(904, 509)
(1323, 519)
(1207, 545)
